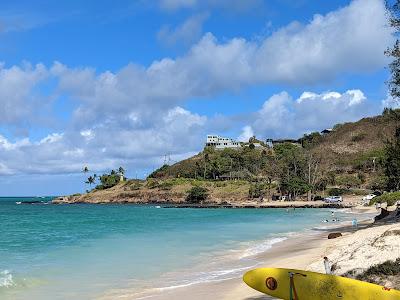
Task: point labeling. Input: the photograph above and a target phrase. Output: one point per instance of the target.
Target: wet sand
(301, 251)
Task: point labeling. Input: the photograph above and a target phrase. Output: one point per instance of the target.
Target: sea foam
(6, 279)
(261, 247)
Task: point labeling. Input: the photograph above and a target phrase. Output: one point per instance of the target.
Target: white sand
(362, 249)
(354, 250)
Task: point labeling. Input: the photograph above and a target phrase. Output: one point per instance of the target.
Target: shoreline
(287, 253)
(242, 204)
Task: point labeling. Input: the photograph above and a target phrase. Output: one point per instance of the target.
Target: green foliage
(369, 160)
(256, 190)
(197, 194)
(388, 268)
(348, 181)
(310, 140)
(391, 114)
(394, 52)
(160, 172)
(135, 186)
(392, 163)
(108, 180)
(295, 186)
(165, 186)
(378, 183)
(337, 191)
(220, 184)
(390, 198)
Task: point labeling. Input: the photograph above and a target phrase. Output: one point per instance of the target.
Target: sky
(127, 83)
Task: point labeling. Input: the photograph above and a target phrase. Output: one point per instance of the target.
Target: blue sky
(110, 83)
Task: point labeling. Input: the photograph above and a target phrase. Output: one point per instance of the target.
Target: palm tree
(121, 173)
(91, 180)
(85, 170)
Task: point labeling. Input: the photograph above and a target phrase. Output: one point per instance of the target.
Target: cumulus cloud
(18, 101)
(281, 115)
(134, 116)
(188, 32)
(247, 133)
(390, 102)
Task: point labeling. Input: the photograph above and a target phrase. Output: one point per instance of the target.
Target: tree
(393, 10)
(121, 171)
(197, 194)
(85, 170)
(91, 180)
(392, 163)
(108, 180)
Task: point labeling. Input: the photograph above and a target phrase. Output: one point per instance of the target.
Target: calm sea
(83, 251)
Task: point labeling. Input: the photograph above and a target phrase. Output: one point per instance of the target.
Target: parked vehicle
(333, 199)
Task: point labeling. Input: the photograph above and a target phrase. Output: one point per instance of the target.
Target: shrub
(348, 181)
(136, 186)
(358, 137)
(256, 190)
(197, 194)
(387, 268)
(160, 172)
(390, 198)
(220, 184)
(337, 192)
(166, 186)
(152, 183)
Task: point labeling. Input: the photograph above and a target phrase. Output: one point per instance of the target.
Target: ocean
(84, 251)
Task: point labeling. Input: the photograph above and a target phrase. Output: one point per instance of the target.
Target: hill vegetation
(355, 158)
(350, 158)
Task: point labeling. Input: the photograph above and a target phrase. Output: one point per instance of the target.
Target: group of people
(333, 216)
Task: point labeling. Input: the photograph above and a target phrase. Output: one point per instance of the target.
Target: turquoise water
(83, 251)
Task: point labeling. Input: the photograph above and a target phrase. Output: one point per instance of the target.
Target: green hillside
(349, 157)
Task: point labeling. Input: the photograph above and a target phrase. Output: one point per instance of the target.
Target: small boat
(18, 202)
(158, 206)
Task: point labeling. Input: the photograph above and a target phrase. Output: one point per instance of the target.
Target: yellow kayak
(292, 284)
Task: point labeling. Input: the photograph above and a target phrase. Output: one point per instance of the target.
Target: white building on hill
(221, 143)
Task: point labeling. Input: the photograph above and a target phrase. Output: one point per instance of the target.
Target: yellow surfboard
(292, 284)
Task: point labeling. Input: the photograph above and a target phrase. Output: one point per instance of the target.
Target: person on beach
(327, 265)
(354, 223)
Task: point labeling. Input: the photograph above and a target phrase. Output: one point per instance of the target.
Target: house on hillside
(221, 142)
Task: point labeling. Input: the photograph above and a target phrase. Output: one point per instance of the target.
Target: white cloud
(247, 133)
(282, 116)
(134, 116)
(390, 102)
(18, 101)
(187, 32)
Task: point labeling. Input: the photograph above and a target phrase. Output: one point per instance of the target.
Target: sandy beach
(356, 249)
